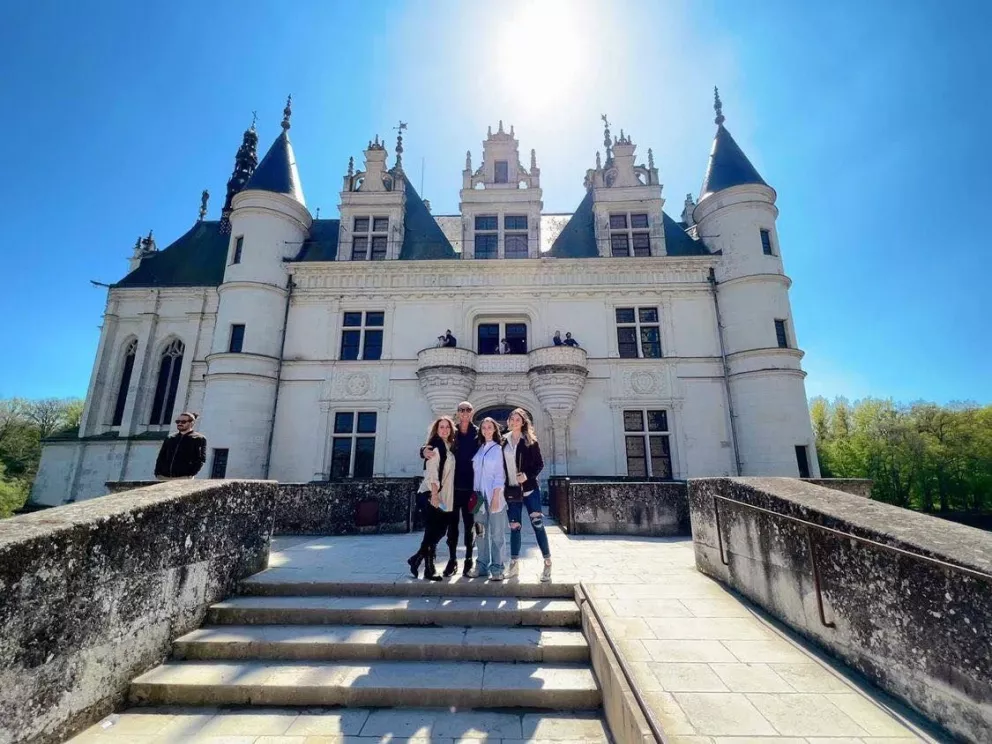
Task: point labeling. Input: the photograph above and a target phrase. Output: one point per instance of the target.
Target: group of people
(568, 340)
(483, 478)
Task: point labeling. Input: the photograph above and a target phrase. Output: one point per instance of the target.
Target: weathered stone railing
(619, 506)
(92, 594)
(558, 356)
(856, 486)
(447, 376)
(345, 507)
(902, 597)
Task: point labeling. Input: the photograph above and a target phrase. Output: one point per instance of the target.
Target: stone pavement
(712, 668)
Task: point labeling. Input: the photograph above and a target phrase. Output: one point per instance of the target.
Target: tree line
(920, 456)
(23, 424)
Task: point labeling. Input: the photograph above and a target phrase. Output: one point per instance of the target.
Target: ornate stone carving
(557, 375)
(352, 386)
(644, 383)
(446, 376)
(502, 363)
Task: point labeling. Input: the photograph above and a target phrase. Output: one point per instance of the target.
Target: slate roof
(322, 242)
(423, 238)
(277, 172)
(197, 259)
(578, 238)
(728, 165)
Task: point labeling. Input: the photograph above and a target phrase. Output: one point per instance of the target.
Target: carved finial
(511, 130)
(137, 245)
(650, 158)
(203, 204)
(149, 238)
(317, 216)
(607, 141)
(489, 131)
(399, 144)
(286, 113)
(500, 126)
(718, 106)
(533, 159)
(351, 167)
(599, 163)
(254, 118)
(468, 160)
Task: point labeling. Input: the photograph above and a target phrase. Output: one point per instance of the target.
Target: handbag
(514, 494)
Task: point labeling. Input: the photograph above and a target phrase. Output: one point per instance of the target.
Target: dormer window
(487, 236)
(363, 238)
(629, 234)
(515, 236)
(502, 172)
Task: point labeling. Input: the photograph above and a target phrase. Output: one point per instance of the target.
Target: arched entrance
(498, 413)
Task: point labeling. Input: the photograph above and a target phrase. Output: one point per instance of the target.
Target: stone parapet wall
(855, 486)
(902, 597)
(612, 506)
(378, 505)
(92, 594)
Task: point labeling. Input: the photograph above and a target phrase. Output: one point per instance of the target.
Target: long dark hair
(435, 440)
(497, 436)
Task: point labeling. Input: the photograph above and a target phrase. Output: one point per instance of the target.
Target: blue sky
(868, 118)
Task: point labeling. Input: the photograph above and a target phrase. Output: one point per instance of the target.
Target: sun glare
(540, 52)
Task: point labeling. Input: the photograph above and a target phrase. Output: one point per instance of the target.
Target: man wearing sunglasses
(183, 453)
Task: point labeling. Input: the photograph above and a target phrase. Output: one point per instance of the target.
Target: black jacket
(529, 462)
(182, 455)
(464, 449)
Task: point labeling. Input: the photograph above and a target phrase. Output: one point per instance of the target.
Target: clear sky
(869, 118)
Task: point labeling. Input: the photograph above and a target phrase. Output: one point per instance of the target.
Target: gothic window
(370, 232)
(638, 333)
(170, 365)
(127, 367)
(629, 234)
(239, 244)
(237, 338)
(766, 243)
(218, 467)
(647, 445)
(353, 444)
(515, 236)
(502, 174)
(362, 335)
(487, 236)
(781, 335)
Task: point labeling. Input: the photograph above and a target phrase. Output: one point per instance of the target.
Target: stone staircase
(466, 645)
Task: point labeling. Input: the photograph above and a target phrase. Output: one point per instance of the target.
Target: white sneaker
(546, 573)
(498, 576)
(514, 569)
(473, 572)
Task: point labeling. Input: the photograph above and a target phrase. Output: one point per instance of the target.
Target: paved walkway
(713, 670)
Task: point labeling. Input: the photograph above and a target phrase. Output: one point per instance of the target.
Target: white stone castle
(310, 346)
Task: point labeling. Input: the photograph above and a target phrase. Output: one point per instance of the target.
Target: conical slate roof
(195, 259)
(728, 165)
(277, 172)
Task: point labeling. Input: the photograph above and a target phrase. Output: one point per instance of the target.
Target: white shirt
(489, 472)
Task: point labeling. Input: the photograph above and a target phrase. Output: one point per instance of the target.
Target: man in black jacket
(183, 453)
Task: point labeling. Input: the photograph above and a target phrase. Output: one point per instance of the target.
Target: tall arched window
(127, 367)
(168, 382)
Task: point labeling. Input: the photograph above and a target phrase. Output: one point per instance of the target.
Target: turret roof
(728, 165)
(423, 239)
(277, 172)
(196, 259)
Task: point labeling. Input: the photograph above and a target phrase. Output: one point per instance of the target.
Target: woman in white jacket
(439, 482)
(490, 478)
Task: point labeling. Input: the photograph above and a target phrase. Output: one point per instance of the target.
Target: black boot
(467, 567)
(414, 561)
(451, 568)
(430, 571)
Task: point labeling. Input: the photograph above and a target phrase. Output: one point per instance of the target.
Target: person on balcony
(557, 339)
(569, 341)
(450, 342)
(504, 347)
(490, 478)
(439, 481)
(522, 455)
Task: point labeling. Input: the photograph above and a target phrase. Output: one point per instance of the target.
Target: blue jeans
(492, 545)
(514, 512)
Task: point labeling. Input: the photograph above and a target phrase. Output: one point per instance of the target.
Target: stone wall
(856, 486)
(908, 604)
(378, 505)
(92, 594)
(599, 506)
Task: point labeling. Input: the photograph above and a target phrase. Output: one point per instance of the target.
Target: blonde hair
(527, 429)
(432, 430)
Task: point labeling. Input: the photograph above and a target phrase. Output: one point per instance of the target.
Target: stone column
(557, 375)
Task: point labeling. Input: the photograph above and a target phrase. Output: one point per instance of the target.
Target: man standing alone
(183, 453)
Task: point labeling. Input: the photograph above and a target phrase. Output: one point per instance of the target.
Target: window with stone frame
(491, 335)
(237, 340)
(802, 460)
(638, 333)
(239, 244)
(370, 233)
(646, 443)
(353, 444)
(361, 335)
(515, 241)
(169, 368)
(127, 368)
(218, 464)
(629, 234)
(781, 334)
(501, 171)
(486, 236)
(766, 242)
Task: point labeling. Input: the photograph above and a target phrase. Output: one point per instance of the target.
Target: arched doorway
(498, 413)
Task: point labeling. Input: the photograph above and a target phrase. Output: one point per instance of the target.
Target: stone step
(193, 725)
(320, 610)
(380, 684)
(303, 582)
(391, 643)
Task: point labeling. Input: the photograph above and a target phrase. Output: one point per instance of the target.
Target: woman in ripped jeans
(523, 464)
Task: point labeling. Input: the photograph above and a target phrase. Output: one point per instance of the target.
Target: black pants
(435, 524)
(462, 512)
